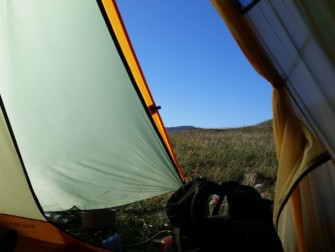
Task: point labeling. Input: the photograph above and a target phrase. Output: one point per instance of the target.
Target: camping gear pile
(246, 226)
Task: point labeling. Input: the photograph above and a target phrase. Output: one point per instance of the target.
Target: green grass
(244, 154)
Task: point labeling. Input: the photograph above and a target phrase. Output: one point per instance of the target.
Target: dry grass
(244, 154)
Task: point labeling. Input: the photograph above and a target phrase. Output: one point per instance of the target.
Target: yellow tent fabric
(298, 151)
(303, 160)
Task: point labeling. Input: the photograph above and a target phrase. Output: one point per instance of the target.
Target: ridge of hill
(177, 128)
(267, 123)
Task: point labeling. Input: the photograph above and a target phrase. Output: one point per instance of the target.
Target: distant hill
(267, 123)
(173, 129)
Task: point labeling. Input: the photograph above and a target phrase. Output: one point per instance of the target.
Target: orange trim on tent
(128, 51)
(36, 229)
(298, 219)
(37, 235)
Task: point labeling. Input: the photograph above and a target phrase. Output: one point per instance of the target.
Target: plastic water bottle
(113, 243)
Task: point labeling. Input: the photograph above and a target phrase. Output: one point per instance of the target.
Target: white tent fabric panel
(16, 197)
(317, 212)
(82, 130)
(300, 61)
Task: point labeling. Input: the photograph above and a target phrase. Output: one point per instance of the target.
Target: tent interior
(79, 126)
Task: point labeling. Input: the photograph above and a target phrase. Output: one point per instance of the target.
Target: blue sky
(193, 66)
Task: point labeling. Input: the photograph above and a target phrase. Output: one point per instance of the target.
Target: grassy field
(244, 154)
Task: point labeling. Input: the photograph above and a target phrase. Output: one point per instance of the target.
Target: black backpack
(247, 226)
